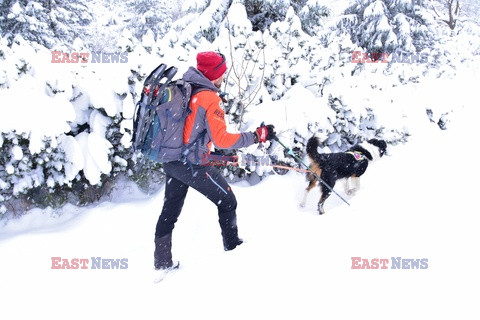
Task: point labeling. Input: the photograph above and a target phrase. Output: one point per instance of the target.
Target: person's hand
(265, 133)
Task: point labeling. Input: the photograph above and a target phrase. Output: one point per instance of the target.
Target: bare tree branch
(239, 73)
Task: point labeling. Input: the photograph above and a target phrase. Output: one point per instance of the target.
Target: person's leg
(175, 193)
(220, 193)
(208, 181)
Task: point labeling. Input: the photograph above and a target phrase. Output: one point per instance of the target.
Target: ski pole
(290, 152)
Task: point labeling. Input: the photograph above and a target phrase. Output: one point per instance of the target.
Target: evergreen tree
(44, 21)
(389, 25)
(311, 14)
(151, 15)
(263, 13)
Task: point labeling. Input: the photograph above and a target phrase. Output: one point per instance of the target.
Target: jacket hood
(198, 79)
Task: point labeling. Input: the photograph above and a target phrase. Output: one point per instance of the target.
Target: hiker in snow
(203, 126)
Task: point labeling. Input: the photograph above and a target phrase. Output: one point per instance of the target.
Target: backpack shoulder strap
(188, 88)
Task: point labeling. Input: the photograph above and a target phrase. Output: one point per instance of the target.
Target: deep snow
(418, 202)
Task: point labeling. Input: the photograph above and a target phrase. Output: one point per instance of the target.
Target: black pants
(208, 181)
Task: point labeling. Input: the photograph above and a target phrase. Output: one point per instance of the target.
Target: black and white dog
(349, 165)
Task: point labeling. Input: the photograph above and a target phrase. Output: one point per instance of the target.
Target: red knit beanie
(211, 64)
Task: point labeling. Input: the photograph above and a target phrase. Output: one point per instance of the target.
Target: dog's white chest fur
(372, 150)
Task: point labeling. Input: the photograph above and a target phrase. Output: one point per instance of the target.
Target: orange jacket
(206, 123)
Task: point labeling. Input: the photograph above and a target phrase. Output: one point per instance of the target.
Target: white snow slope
(417, 203)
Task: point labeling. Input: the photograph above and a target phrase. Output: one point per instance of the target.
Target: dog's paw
(302, 204)
(320, 209)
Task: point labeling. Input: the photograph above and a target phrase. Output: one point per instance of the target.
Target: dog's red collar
(357, 155)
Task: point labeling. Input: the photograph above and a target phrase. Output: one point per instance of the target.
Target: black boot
(232, 244)
(230, 237)
(163, 253)
(228, 225)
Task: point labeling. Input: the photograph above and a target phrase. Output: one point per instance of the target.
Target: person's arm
(217, 129)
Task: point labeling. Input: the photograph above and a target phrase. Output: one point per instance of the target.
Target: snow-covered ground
(417, 203)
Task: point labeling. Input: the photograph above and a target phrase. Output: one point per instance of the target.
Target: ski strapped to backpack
(159, 117)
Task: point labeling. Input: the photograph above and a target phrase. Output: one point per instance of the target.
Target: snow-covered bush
(23, 172)
(287, 49)
(65, 129)
(388, 26)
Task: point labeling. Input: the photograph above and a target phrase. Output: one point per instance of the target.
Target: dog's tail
(312, 146)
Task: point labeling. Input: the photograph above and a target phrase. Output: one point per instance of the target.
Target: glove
(264, 133)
